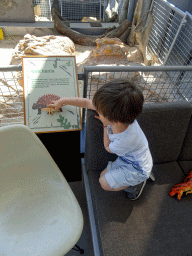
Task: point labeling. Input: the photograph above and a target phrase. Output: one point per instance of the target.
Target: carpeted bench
(155, 224)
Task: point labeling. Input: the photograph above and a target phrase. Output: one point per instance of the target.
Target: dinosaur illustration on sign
(44, 101)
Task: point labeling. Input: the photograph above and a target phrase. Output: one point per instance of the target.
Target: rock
(44, 45)
(89, 19)
(135, 55)
(37, 18)
(17, 11)
(110, 47)
(114, 47)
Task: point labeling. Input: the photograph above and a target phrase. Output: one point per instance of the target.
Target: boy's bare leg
(104, 184)
(103, 172)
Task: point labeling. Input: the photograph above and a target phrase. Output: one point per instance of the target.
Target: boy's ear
(97, 117)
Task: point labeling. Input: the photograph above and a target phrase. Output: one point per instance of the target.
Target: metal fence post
(85, 89)
(183, 22)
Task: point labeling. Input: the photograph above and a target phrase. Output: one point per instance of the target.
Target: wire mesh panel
(76, 10)
(181, 52)
(43, 8)
(183, 84)
(11, 97)
(155, 82)
(167, 22)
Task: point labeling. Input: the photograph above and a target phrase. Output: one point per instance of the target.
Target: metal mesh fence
(171, 41)
(11, 97)
(155, 82)
(42, 8)
(181, 51)
(76, 10)
(168, 21)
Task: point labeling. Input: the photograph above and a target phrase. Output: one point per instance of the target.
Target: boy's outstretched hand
(73, 101)
(56, 105)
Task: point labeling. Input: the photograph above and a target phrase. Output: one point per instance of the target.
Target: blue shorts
(120, 174)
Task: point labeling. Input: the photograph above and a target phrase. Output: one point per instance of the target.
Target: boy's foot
(134, 192)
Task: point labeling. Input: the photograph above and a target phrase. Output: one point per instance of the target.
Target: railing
(158, 84)
(155, 82)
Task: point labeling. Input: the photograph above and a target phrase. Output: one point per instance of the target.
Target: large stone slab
(114, 47)
(16, 11)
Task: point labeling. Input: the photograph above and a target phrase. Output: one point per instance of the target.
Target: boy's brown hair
(119, 101)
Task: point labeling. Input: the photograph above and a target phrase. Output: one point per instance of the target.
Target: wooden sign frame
(48, 78)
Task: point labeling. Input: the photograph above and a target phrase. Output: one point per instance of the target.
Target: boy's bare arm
(78, 102)
(106, 140)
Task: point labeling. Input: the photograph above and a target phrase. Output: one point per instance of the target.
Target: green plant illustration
(75, 126)
(64, 122)
(67, 125)
(68, 63)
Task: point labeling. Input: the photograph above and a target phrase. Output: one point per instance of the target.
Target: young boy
(118, 103)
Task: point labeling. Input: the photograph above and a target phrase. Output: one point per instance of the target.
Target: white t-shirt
(132, 147)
